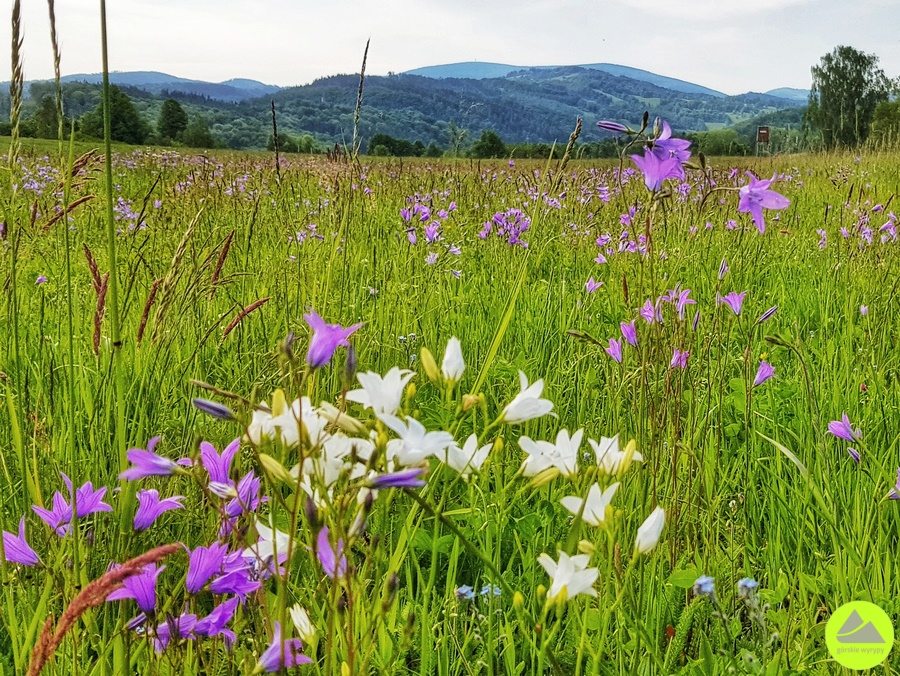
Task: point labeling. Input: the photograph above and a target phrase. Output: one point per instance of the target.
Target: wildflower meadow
(359, 416)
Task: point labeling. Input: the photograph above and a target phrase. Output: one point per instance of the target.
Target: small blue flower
(490, 589)
(465, 592)
(705, 586)
(747, 587)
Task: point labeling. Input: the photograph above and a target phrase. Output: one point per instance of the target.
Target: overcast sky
(751, 45)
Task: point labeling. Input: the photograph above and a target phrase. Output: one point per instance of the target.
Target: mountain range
(523, 105)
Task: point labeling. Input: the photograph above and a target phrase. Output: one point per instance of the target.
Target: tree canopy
(126, 124)
(847, 85)
(172, 121)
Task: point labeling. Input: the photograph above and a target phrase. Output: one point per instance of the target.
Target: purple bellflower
(764, 372)
(614, 350)
(214, 623)
(333, 561)
(679, 359)
(756, 196)
(407, 478)
(657, 170)
(629, 332)
(17, 550)
(60, 517)
(733, 300)
(614, 127)
(282, 654)
(842, 429)
(219, 466)
(146, 463)
(682, 301)
(203, 563)
(150, 507)
(87, 501)
(325, 339)
(181, 626)
(141, 587)
(665, 147)
(895, 491)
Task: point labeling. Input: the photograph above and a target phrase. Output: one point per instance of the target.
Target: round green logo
(859, 635)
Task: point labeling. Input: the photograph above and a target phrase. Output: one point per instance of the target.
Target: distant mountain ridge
(476, 70)
(237, 89)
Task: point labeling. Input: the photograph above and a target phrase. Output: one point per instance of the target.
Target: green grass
(736, 504)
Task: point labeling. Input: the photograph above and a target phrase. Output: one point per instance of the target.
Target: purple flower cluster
(509, 225)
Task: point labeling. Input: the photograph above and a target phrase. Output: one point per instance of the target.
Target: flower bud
(518, 601)
(430, 365)
(468, 401)
(312, 514)
(650, 531)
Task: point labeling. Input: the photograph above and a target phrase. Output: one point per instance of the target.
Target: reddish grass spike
(243, 313)
(226, 247)
(57, 217)
(95, 271)
(147, 307)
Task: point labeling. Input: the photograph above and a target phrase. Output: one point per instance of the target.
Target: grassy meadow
(218, 258)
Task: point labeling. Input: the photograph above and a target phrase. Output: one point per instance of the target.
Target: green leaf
(685, 578)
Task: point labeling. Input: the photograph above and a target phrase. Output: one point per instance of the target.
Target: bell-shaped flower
(333, 561)
(543, 455)
(611, 459)
(592, 509)
(174, 627)
(304, 626)
(214, 623)
(453, 366)
(843, 429)
(467, 459)
(146, 463)
(17, 549)
(203, 563)
(571, 576)
(763, 373)
(527, 404)
(219, 466)
(281, 654)
(415, 442)
(757, 196)
(141, 587)
(325, 339)
(733, 300)
(150, 507)
(381, 394)
(649, 532)
(657, 170)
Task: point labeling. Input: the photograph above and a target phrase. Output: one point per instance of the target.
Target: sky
(731, 46)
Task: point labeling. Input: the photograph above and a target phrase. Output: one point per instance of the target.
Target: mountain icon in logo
(856, 630)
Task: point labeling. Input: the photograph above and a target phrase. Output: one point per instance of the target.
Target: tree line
(173, 124)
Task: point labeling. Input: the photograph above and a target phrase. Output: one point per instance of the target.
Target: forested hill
(533, 105)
